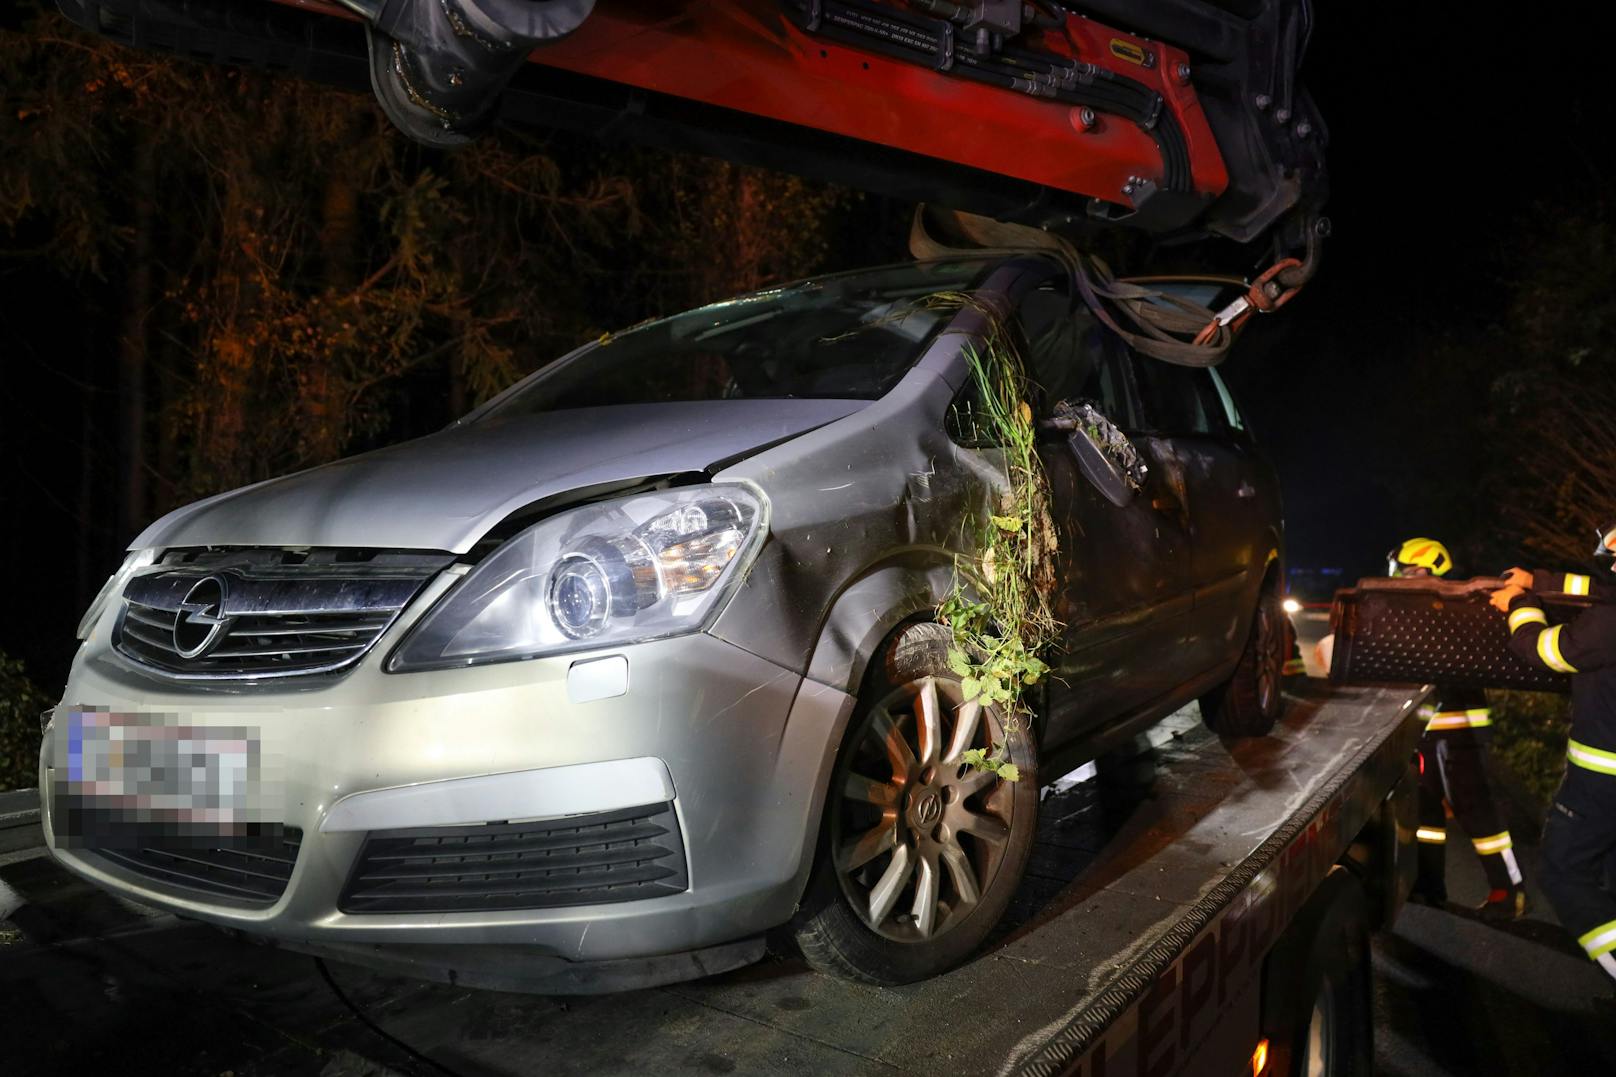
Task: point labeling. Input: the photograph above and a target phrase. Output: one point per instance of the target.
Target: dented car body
(555, 698)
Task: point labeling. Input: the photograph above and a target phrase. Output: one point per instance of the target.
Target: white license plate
(158, 769)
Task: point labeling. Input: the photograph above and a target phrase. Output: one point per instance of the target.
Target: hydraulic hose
(931, 42)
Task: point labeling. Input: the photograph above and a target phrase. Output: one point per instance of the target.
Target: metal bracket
(945, 47)
(998, 16)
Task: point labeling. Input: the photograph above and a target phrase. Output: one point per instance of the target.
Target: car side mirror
(1104, 454)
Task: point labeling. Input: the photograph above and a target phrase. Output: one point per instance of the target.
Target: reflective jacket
(1573, 583)
(1584, 647)
(1455, 707)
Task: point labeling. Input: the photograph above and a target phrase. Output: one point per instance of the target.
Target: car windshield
(847, 337)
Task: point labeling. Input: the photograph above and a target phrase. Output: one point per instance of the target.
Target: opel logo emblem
(929, 810)
(201, 620)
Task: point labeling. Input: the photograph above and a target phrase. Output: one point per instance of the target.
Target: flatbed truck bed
(1139, 942)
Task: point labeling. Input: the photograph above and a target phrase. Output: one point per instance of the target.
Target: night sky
(1446, 128)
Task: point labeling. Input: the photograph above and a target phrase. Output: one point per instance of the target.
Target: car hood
(444, 491)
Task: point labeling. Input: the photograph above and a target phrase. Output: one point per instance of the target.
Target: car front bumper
(739, 747)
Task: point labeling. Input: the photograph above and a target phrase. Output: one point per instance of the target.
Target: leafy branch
(999, 609)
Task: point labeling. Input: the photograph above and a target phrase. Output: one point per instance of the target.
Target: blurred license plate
(138, 777)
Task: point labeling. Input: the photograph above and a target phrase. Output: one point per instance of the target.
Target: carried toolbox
(1429, 631)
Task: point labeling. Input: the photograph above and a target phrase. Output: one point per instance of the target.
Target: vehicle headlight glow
(615, 572)
(1292, 606)
(134, 562)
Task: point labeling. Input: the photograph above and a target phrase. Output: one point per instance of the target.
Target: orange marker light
(1259, 1058)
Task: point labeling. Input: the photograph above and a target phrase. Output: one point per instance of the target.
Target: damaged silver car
(639, 661)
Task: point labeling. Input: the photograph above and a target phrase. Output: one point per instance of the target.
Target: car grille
(580, 860)
(265, 613)
(251, 875)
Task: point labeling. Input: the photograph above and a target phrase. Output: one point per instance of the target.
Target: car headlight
(610, 573)
(1292, 606)
(137, 560)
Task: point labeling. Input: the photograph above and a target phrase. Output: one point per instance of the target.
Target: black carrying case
(1399, 631)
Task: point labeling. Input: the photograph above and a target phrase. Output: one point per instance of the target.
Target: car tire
(960, 835)
(1318, 1009)
(1249, 702)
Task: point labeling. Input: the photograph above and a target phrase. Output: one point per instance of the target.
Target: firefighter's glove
(1518, 577)
(1502, 597)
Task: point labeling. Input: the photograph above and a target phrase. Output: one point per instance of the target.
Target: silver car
(639, 661)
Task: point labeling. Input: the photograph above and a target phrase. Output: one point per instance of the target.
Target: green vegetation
(1530, 730)
(21, 702)
(999, 610)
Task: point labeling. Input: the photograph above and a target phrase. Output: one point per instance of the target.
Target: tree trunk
(169, 390)
(88, 543)
(133, 510)
(325, 388)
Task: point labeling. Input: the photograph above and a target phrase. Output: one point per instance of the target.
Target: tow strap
(1159, 324)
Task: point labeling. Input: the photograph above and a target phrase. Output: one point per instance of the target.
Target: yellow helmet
(1425, 553)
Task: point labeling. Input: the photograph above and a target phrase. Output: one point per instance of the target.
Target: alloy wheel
(1318, 1059)
(919, 833)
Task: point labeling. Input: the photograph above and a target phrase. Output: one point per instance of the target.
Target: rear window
(1231, 410)
(849, 337)
(1177, 399)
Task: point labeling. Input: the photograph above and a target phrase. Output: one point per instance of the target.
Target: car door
(1230, 503)
(1123, 586)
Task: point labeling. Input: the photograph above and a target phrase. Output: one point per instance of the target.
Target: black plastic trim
(246, 876)
(595, 859)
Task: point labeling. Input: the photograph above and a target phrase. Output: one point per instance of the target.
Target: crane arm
(1182, 118)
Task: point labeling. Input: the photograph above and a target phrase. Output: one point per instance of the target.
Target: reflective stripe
(1495, 844)
(1474, 718)
(1548, 649)
(1601, 940)
(1514, 868)
(1431, 834)
(1575, 584)
(1449, 723)
(1526, 615)
(1591, 758)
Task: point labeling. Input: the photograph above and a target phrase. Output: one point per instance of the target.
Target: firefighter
(1453, 773)
(1579, 837)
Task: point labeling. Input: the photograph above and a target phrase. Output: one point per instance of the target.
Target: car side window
(1070, 356)
(1231, 410)
(1067, 355)
(968, 423)
(1179, 399)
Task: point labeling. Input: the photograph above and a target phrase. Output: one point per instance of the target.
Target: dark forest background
(214, 276)
(211, 276)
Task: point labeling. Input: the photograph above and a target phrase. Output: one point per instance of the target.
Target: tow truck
(1220, 926)
(1214, 921)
